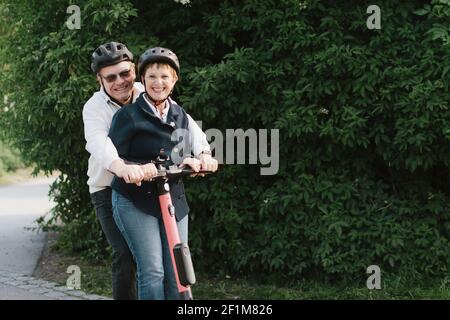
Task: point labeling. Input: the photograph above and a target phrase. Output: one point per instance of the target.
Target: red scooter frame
(179, 252)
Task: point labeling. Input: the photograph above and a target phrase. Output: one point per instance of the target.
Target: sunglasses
(113, 77)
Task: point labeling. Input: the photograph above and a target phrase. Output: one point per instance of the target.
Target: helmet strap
(155, 102)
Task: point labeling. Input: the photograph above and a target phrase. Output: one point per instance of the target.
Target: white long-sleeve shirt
(98, 112)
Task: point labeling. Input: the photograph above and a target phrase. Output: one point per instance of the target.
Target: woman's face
(159, 81)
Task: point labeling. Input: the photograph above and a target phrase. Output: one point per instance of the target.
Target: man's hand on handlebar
(150, 171)
(131, 173)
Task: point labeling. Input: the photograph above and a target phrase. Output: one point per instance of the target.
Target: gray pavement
(14, 293)
(20, 206)
(15, 286)
(21, 246)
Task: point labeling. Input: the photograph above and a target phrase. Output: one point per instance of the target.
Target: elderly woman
(141, 132)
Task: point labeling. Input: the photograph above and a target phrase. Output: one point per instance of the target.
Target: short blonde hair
(161, 64)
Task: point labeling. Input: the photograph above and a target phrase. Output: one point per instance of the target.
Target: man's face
(118, 80)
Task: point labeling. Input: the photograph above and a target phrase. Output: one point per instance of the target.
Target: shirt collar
(155, 111)
(136, 93)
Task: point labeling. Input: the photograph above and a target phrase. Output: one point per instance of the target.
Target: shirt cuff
(109, 155)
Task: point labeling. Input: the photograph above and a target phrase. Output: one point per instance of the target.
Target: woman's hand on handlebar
(204, 163)
(150, 171)
(208, 163)
(194, 163)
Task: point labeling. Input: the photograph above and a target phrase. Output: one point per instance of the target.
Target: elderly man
(115, 71)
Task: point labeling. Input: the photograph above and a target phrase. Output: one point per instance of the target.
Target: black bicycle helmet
(158, 54)
(108, 54)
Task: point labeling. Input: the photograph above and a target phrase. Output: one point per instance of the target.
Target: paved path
(21, 247)
(15, 286)
(20, 206)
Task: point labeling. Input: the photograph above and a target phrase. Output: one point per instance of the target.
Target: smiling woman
(141, 133)
(159, 80)
(159, 70)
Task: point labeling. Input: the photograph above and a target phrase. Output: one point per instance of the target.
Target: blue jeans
(146, 237)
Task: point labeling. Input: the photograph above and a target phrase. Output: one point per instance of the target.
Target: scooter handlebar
(175, 172)
(172, 171)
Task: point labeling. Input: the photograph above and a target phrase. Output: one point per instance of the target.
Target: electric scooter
(179, 252)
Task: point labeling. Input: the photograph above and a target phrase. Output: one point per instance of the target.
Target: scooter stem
(179, 252)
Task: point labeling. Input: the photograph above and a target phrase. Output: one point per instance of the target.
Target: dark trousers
(123, 265)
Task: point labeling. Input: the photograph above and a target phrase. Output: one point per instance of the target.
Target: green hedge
(363, 116)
